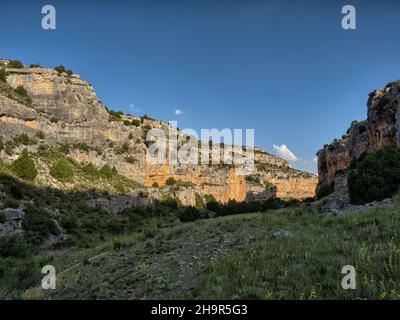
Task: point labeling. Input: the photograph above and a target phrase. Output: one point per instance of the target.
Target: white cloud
(134, 108)
(178, 112)
(284, 152)
(315, 159)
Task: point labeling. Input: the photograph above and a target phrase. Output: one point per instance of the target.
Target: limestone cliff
(380, 129)
(66, 110)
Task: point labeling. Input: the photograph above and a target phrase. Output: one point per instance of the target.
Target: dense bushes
(90, 171)
(24, 167)
(21, 91)
(324, 190)
(14, 246)
(63, 170)
(190, 213)
(107, 172)
(234, 207)
(38, 224)
(376, 176)
(35, 65)
(60, 69)
(23, 139)
(3, 75)
(15, 64)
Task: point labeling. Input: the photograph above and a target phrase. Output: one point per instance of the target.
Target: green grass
(281, 254)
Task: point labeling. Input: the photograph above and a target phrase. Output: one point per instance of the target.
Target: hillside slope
(284, 254)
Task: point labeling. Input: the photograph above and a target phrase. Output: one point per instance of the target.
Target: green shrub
(115, 115)
(39, 224)
(107, 172)
(11, 202)
(376, 176)
(15, 64)
(24, 167)
(21, 91)
(155, 185)
(145, 117)
(135, 123)
(14, 246)
(90, 170)
(40, 135)
(189, 214)
(2, 217)
(23, 139)
(324, 190)
(3, 75)
(63, 170)
(1, 144)
(60, 69)
(171, 181)
(35, 65)
(199, 201)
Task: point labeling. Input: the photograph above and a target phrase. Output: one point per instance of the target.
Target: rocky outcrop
(380, 129)
(67, 111)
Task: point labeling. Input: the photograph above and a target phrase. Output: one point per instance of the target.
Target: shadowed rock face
(67, 110)
(380, 129)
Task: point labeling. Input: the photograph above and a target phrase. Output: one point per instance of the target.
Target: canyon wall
(67, 111)
(380, 129)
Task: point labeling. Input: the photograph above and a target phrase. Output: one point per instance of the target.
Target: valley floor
(283, 254)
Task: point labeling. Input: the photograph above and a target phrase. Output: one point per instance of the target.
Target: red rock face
(379, 130)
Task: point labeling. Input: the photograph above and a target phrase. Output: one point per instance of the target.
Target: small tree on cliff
(24, 167)
(60, 69)
(15, 64)
(63, 170)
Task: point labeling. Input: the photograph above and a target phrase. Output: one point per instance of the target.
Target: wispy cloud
(178, 112)
(133, 108)
(283, 151)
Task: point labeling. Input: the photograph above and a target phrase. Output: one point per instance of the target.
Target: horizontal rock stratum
(66, 111)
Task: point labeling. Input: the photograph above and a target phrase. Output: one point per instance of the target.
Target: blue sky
(285, 68)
